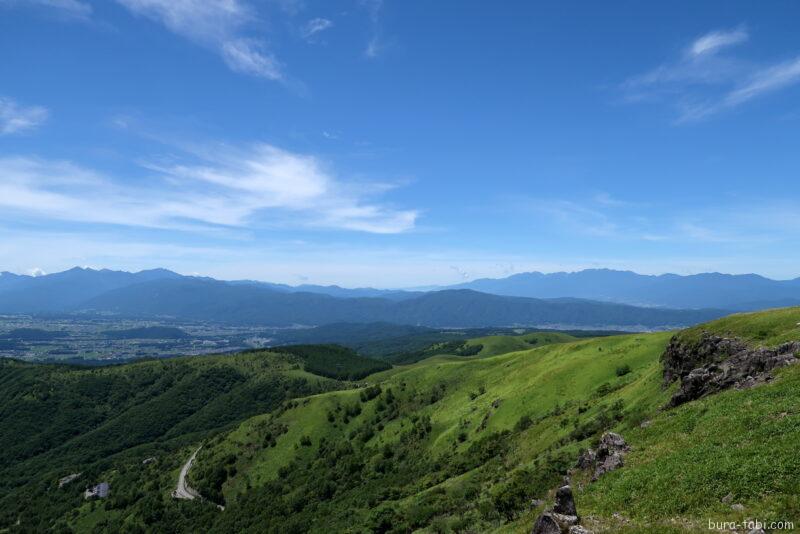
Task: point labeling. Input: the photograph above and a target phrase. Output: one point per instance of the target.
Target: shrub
(623, 370)
(524, 423)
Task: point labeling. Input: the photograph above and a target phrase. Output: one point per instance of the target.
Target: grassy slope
(547, 384)
(495, 345)
(488, 345)
(767, 328)
(741, 443)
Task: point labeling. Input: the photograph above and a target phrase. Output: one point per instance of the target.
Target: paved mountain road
(184, 491)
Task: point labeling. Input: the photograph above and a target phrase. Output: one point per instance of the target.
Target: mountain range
(165, 294)
(707, 290)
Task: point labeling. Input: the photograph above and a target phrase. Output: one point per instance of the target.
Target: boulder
(565, 502)
(609, 454)
(577, 529)
(546, 524)
(560, 519)
(613, 441)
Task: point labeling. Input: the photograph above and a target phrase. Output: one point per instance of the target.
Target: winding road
(184, 491)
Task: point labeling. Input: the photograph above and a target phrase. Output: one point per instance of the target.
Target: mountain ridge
(740, 292)
(165, 294)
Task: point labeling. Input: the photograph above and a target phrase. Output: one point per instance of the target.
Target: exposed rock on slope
(607, 457)
(562, 518)
(714, 363)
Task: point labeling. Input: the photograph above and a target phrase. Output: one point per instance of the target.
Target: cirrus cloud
(218, 24)
(705, 81)
(16, 118)
(248, 188)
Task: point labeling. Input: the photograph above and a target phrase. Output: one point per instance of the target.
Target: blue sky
(399, 143)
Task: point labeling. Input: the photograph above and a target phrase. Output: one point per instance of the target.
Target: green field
(462, 444)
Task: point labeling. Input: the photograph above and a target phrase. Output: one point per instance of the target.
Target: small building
(99, 491)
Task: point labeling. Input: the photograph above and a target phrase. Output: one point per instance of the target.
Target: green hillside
(765, 328)
(494, 345)
(334, 361)
(466, 443)
(463, 444)
(491, 345)
(59, 419)
(444, 440)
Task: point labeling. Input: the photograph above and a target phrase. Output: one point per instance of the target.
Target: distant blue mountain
(333, 290)
(708, 290)
(61, 291)
(162, 293)
(9, 281)
(195, 299)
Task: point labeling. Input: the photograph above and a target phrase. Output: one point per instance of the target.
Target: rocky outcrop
(562, 518)
(546, 524)
(715, 363)
(565, 502)
(608, 456)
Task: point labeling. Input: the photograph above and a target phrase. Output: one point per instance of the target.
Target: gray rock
(727, 498)
(737, 507)
(609, 454)
(613, 441)
(577, 529)
(587, 459)
(565, 521)
(536, 503)
(546, 524)
(715, 363)
(565, 502)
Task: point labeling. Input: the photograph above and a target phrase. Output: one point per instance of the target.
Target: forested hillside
(453, 443)
(57, 420)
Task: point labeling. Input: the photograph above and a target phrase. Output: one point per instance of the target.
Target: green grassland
(463, 442)
(766, 328)
(490, 345)
(471, 427)
(494, 345)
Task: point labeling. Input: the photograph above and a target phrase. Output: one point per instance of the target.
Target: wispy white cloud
(704, 81)
(218, 24)
(247, 57)
(16, 118)
(375, 44)
(764, 81)
(251, 188)
(315, 26)
(71, 8)
(712, 42)
(586, 218)
(757, 222)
